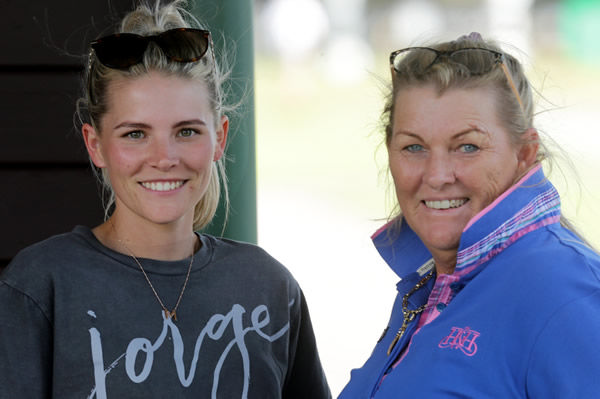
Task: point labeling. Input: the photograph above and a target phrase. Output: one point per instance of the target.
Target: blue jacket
(523, 320)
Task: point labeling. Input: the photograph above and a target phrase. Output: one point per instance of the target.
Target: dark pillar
(232, 19)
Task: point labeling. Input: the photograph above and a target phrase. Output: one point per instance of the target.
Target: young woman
(142, 306)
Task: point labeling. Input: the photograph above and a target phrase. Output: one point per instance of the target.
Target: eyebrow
(190, 122)
(471, 129)
(140, 125)
(458, 135)
(132, 125)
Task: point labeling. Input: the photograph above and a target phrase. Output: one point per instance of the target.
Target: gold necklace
(172, 313)
(409, 315)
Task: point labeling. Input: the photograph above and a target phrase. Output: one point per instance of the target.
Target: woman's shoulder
(44, 258)
(245, 256)
(234, 248)
(555, 263)
(36, 270)
(60, 245)
(560, 247)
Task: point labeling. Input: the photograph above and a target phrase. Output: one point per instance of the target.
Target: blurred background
(321, 73)
(321, 70)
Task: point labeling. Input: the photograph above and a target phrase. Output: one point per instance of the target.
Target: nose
(439, 170)
(163, 154)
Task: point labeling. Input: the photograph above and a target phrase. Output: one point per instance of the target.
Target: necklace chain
(409, 315)
(168, 314)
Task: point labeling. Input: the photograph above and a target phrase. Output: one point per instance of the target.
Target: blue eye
(468, 148)
(414, 148)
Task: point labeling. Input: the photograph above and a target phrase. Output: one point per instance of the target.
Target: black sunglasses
(122, 50)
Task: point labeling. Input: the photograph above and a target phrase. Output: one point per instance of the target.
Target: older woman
(497, 298)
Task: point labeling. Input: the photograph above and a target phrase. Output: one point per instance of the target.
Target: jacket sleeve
(25, 347)
(565, 362)
(305, 377)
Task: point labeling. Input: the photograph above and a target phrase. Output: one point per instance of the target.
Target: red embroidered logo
(461, 338)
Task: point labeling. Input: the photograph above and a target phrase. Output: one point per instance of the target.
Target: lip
(444, 204)
(162, 186)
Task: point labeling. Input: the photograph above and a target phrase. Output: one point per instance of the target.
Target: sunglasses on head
(122, 50)
(478, 61)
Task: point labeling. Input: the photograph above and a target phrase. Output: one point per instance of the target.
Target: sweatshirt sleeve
(565, 362)
(305, 378)
(25, 347)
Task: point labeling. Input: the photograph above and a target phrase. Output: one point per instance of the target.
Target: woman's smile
(445, 204)
(163, 185)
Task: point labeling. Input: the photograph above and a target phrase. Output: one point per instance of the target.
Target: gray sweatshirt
(78, 320)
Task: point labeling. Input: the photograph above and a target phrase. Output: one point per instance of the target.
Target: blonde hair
(147, 20)
(515, 105)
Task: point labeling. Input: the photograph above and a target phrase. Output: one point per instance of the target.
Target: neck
(445, 262)
(173, 241)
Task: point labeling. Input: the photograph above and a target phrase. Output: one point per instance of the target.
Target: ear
(222, 130)
(528, 151)
(93, 145)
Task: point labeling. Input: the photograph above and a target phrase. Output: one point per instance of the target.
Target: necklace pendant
(399, 335)
(394, 341)
(167, 314)
(409, 315)
(170, 315)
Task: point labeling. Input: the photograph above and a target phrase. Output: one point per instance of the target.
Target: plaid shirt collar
(531, 203)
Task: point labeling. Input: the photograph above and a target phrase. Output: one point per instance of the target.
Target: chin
(443, 242)
(165, 218)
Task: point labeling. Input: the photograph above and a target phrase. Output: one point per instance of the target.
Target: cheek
(492, 189)
(496, 182)
(200, 160)
(120, 162)
(200, 157)
(403, 171)
(406, 180)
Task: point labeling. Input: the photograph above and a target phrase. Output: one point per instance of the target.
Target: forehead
(424, 109)
(157, 82)
(157, 95)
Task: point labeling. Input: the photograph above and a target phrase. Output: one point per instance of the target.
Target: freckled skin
(450, 147)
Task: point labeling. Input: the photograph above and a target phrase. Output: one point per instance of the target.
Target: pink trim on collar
(381, 229)
(501, 197)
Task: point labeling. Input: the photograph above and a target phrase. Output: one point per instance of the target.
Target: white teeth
(163, 186)
(445, 204)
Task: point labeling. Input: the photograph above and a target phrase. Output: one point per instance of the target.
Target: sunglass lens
(120, 51)
(183, 45)
(414, 59)
(477, 61)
